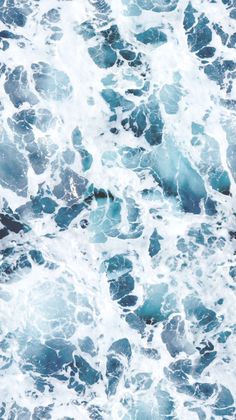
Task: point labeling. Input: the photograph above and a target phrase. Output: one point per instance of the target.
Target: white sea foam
(67, 297)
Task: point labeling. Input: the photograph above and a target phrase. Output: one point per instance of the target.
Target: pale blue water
(117, 222)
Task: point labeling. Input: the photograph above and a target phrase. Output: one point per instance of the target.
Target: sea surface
(117, 209)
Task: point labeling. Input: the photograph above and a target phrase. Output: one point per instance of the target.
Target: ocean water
(117, 221)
